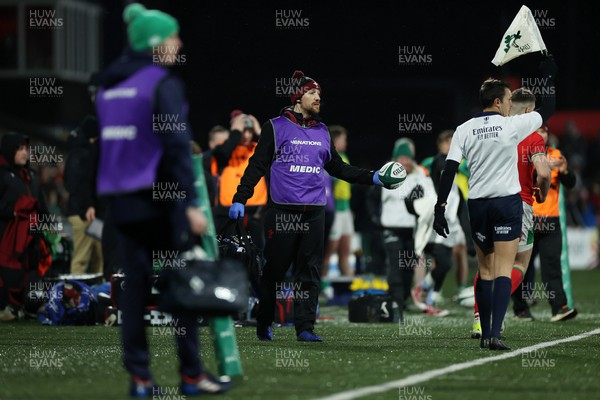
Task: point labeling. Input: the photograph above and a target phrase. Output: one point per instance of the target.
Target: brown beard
(312, 112)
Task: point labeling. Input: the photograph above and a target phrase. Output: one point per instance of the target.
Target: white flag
(522, 37)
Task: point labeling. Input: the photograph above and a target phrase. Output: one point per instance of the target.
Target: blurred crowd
(353, 238)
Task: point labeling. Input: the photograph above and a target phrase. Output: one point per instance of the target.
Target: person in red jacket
(20, 197)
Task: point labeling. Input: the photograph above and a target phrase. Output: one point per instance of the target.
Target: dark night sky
(234, 54)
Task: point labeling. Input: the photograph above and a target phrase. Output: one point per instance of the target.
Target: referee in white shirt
(489, 142)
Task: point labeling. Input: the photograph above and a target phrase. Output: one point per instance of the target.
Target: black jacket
(80, 170)
(260, 164)
(15, 181)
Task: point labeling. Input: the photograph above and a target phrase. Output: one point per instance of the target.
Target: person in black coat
(17, 181)
(79, 181)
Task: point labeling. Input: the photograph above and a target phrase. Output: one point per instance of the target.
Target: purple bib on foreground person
(130, 150)
(297, 172)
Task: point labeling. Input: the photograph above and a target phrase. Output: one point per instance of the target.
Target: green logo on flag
(512, 38)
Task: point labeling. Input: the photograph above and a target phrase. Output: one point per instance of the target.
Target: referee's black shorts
(495, 219)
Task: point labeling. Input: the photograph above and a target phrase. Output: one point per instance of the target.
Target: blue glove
(376, 179)
(236, 211)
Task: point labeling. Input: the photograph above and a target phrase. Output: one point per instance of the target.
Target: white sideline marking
(425, 376)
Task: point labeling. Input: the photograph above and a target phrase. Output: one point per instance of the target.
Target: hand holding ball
(391, 175)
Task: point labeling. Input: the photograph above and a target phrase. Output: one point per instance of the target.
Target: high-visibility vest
(549, 208)
(230, 177)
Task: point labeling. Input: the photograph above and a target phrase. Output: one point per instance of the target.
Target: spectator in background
(435, 165)
(398, 219)
(229, 161)
(593, 161)
(572, 145)
(326, 288)
(80, 212)
(340, 237)
(21, 202)
(99, 204)
(216, 137)
(370, 257)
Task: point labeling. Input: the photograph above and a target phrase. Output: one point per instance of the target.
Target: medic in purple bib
(293, 152)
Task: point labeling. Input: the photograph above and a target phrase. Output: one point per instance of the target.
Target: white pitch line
(425, 376)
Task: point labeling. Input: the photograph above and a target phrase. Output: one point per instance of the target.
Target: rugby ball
(392, 175)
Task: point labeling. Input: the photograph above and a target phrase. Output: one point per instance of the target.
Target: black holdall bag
(202, 287)
(374, 308)
(235, 243)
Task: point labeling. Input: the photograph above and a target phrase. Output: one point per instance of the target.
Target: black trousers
(292, 237)
(443, 263)
(400, 251)
(547, 241)
(137, 243)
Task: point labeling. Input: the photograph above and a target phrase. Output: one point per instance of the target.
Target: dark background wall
(235, 52)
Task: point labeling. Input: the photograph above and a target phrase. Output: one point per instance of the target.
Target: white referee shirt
(489, 144)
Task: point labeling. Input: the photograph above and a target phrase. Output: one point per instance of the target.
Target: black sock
(502, 287)
(483, 291)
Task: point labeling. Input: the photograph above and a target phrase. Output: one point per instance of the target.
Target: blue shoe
(308, 336)
(142, 389)
(264, 334)
(205, 383)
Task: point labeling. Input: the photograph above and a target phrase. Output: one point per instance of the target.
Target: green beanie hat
(402, 147)
(147, 28)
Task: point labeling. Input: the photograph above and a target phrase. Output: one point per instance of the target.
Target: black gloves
(548, 67)
(440, 225)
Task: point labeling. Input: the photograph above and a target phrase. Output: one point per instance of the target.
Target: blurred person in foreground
(134, 158)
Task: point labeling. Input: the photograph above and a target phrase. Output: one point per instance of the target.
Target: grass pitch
(40, 362)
